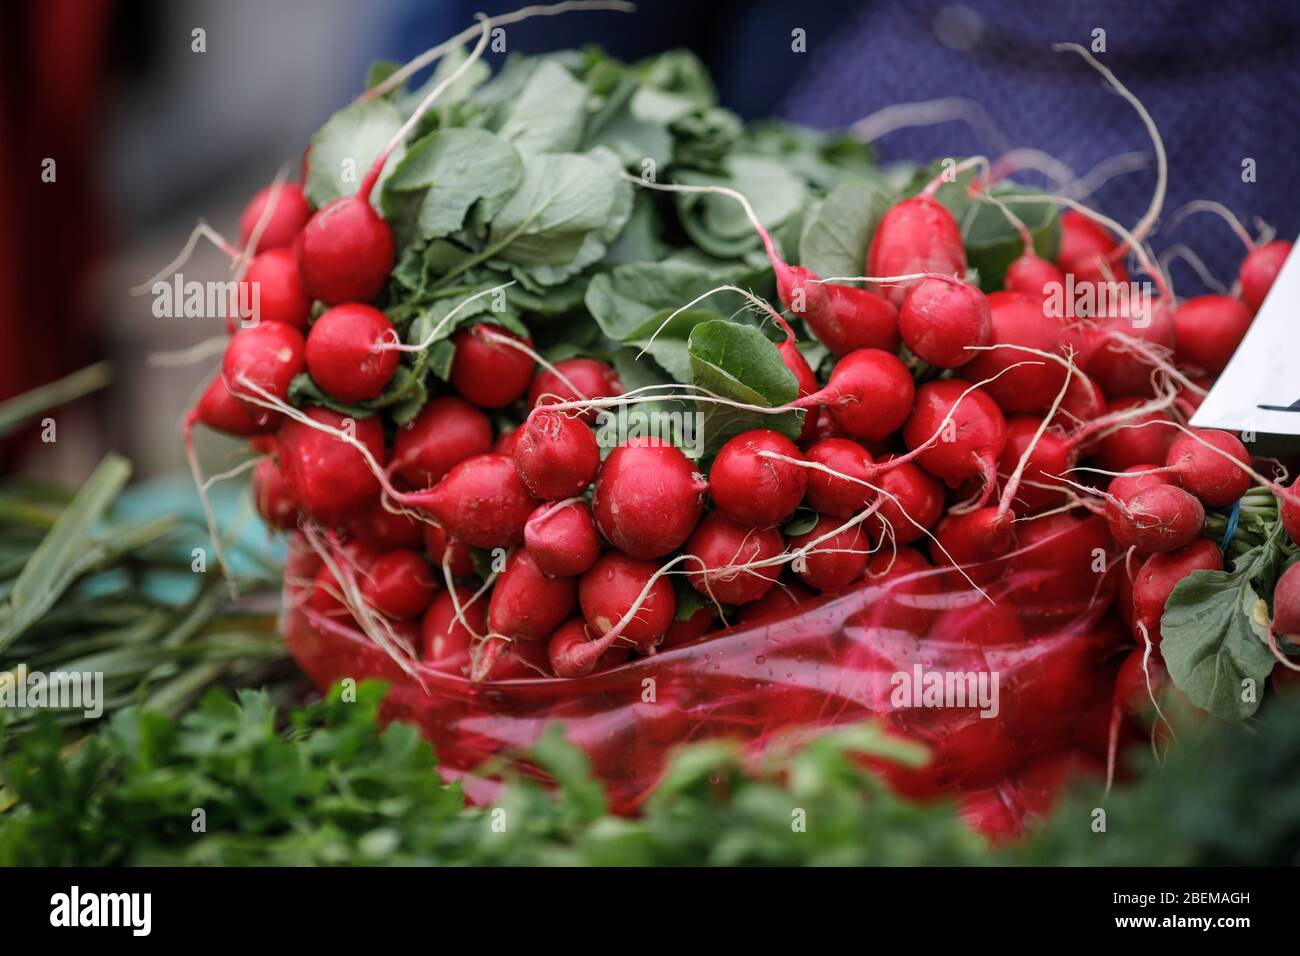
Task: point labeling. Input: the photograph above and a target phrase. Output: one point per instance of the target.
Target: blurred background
(149, 133)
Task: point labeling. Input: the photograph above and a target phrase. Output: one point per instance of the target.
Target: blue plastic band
(1231, 529)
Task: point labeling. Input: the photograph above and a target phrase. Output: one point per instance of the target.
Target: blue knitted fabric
(1221, 80)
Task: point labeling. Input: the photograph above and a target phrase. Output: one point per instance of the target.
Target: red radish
(1018, 319)
(521, 660)
(780, 601)
(387, 530)
(613, 586)
(1136, 441)
(1137, 478)
(1188, 399)
(326, 596)
(1086, 250)
(1259, 270)
(1290, 512)
(455, 555)
(481, 502)
(648, 498)
(330, 478)
(446, 432)
(345, 252)
(918, 507)
(1032, 276)
(562, 539)
(1084, 401)
(754, 490)
(915, 235)
(1113, 362)
(274, 500)
(1053, 456)
(835, 563)
(347, 354)
(399, 585)
(975, 538)
(843, 318)
(908, 595)
(486, 371)
(505, 443)
(587, 379)
(526, 605)
(222, 412)
(798, 365)
(1286, 603)
(832, 495)
(942, 318)
(721, 545)
(556, 456)
(267, 356)
(1059, 568)
(1206, 473)
(697, 625)
(288, 215)
(569, 651)
(869, 394)
(1156, 519)
(446, 641)
(281, 296)
(1132, 693)
(1155, 581)
(971, 441)
(980, 623)
(1208, 330)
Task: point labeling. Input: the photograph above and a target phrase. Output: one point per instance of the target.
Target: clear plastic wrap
(1041, 630)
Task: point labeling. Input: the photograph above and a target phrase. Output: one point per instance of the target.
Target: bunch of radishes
(491, 535)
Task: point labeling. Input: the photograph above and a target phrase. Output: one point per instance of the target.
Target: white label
(1260, 389)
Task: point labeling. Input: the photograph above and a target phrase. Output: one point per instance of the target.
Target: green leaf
(344, 149)
(625, 298)
(549, 114)
(835, 238)
(432, 189)
(718, 224)
(738, 362)
(1210, 641)
(20, 409)
(669, 345)
(66, 553)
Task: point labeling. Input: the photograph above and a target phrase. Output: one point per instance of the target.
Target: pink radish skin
(399, 585)
(345, 252)
(505, 443)
(445, 640)
(591, 378)
(556, 456)
(1053, 456)
(1132, 695)
(720, 544)
(941, 318)
(268, 355)
(489, 373)
(455, 555)
(329, 477)
(843, 318)
(1158, 519)
(387, 531)
(1084, 401)
(1155, 581)
(1111, 363)
(780, 601)
(562, 540)
(607, 592)
(1286, 603)
(830, 495)
(222, 412)
(1208, 330)
(648, 498)
(446, 432)
(274, 499)
(793, 359)
(569, 651)
(1136, 442)
(1137, 478)
(1259, 270)
(526, 605)
(289, 215)
(1291, 515)
(1031, 276)
(869, 394)
(753, 490)
(281, 296)
(1018, 319)
(1086, 250)
(697, 625)
(919, 495)
(977, 430)
(347, 354)
(974, 538)
(916, 235)
(1204, 472)
(835, 563)
(481, 502)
